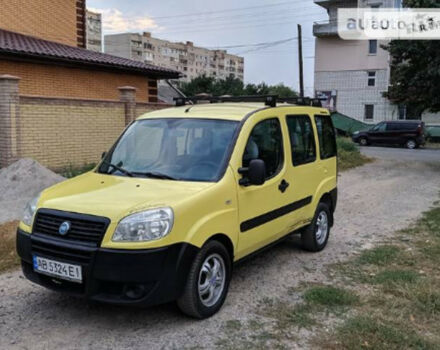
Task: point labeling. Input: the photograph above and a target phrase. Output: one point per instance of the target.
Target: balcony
(335, 3)
(325, 28)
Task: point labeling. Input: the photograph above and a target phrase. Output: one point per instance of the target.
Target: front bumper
(125, 277)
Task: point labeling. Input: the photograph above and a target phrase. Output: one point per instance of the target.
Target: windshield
(175, 149)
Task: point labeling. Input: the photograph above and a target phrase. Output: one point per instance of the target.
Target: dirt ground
(374, 201)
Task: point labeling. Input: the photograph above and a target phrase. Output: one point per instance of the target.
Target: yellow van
(183, 194)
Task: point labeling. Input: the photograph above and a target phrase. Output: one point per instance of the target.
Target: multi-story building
(94, 31)
(352, 74)
(190, 60)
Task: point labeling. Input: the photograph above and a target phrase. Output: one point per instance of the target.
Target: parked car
(182, 195)
(410, 134)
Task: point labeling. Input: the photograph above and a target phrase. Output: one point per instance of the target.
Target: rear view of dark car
(410, 134)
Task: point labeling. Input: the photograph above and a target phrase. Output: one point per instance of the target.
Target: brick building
(43, 42)
(61, 104)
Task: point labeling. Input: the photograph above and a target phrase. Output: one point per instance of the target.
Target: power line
(227, 28)
(227, 10)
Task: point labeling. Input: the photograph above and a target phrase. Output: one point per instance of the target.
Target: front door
(378, 133)
(262, 208)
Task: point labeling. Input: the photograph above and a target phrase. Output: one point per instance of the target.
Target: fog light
(134, 291)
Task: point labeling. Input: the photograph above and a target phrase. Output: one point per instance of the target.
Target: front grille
(83, 228)
(78, 255)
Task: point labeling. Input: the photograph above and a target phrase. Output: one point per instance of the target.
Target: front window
(380, 127)
(266, 143)
(175, 149)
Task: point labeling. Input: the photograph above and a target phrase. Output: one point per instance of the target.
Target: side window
(326, 136)
(302, 140)
(266, 143)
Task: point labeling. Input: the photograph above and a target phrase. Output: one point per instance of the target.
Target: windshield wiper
(117, 167)
(156, 175)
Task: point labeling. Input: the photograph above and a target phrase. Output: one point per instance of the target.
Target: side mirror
(103, 155)
(255, 174)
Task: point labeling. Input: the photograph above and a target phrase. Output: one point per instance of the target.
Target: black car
(410, 134)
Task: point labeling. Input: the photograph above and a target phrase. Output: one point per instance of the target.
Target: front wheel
(411, 144)
(363, 141)
(208, 282)
(314, 238)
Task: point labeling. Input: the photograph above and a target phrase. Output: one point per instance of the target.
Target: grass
(388, 297)
(330, 296)
(381, 255)
(364, 332)
(401, 302)
(71, 171)
(349, 155)
(8, 256)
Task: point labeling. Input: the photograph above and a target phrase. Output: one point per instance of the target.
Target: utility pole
(300, 61)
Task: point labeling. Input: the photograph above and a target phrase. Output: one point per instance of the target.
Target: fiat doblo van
(183, 194)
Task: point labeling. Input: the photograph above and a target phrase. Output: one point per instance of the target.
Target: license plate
(57, 269)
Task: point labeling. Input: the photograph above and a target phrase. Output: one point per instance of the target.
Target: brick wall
(66, 82)
(353, 93)
(55, 20)
(60, 132)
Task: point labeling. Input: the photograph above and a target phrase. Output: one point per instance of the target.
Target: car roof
(226, 111)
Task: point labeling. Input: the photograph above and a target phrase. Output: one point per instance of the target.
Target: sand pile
(19, 183)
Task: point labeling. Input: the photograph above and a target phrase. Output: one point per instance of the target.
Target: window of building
(369, 112)
(402, 112)
(266, 143)
(372, 47)
(302, 140)
(326, 136)
(398, 4)
(371, 78)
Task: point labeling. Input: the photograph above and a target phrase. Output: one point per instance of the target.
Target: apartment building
(190, 60)
(353, 74)
(94, 31)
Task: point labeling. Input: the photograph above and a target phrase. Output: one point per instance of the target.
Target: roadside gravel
(374, 201)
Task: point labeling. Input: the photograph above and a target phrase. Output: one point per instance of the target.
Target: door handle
(283, 186)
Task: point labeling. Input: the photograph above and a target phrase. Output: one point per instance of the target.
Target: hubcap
(411, 144)
(212, 278)
(321, 227)
(363, 142)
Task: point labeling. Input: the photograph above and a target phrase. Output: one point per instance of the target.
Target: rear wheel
(314, 238)
(208, 282)
(411, 144)
(363, 141)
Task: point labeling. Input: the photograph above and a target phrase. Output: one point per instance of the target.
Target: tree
(232, 86)
(415, 69)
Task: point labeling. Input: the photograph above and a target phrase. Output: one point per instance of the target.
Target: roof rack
(269, 100)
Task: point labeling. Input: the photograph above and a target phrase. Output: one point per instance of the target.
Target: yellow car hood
(115, 196)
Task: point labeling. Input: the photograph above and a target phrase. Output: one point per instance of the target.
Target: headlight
(356, 132)
(148, 225)
(29, 211)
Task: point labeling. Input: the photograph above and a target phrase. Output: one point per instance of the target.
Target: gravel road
(375, 200)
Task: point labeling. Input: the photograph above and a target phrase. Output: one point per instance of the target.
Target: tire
(202, 305)
(411, 144)
(312, 240)
(363, 141)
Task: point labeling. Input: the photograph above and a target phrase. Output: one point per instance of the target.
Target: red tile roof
(15, 44)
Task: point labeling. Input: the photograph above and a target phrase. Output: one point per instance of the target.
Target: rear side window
(302, 140)
(266, 143)
(326, 136)
(402, 126)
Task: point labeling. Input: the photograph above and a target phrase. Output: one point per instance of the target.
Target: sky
(220, 24)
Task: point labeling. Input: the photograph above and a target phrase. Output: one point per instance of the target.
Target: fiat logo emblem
(64, 228)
